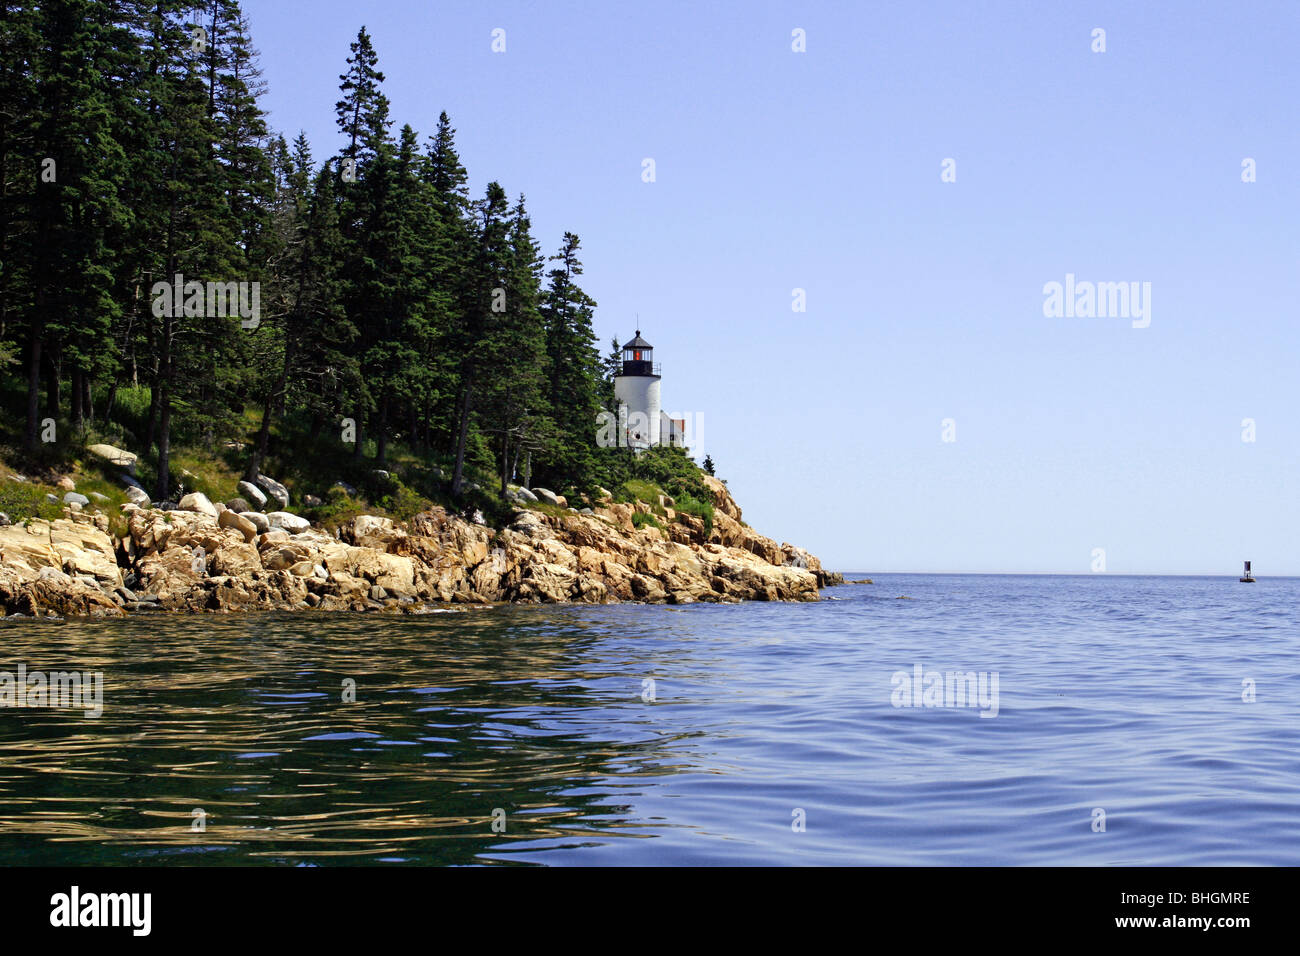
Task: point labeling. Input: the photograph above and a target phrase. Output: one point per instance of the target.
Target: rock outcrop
(211, 559)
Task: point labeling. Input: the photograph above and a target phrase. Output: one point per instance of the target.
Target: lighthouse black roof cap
(638, 342)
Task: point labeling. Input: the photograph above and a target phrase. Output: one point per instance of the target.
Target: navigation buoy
(1245, 575)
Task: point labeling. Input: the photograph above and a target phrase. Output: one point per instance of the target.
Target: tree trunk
(381, 440)
(33, 436)
(52, 398)
(164, 397)
(151, 432)
(110, 401)
(164, 442)
(263, 441)
(505, 462)
(76, 399)
(462, 433)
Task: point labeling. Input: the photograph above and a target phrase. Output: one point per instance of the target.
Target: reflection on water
(1122, 693)
(454, 715)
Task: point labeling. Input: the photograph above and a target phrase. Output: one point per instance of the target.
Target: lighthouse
(637, 391)
(642, 421)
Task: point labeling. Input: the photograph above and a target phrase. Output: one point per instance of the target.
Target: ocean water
(770, 733)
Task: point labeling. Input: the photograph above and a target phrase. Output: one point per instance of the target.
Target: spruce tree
(575, 371)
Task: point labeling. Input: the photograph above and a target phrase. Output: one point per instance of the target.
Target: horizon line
(1089, 574)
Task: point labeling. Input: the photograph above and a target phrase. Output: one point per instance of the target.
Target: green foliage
(22, 501)
(640, 519)
(636, 489)
(694, 506)
(338, 509)
(403, 503)
(377, 279)
(670, 469)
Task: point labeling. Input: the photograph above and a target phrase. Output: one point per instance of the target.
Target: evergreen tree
(474, 337)
(363, 109)
(386, 295)
(514, 407)
(76, 169)
(366, 219)
(575, 370)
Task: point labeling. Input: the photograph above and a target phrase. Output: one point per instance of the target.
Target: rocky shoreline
(206, 557)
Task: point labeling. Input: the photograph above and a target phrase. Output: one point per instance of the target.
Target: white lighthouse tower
(637, 391)
(642, 422)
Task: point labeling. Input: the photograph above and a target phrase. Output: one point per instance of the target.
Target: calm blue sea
(1166, 709)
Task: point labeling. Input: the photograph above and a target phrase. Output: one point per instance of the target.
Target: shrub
(21, 501)
(637, 490)
(640, 519)
(701, 509)
(670, 469)
(403, 503)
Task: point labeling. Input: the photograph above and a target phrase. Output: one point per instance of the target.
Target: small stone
(288, 522)
(232, 519)
(137, 496)
(114, 456)
(198, 502)
(274, 490)
(260, 521)
(252, 493)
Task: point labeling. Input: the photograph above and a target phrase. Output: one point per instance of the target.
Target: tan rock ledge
(198, 561)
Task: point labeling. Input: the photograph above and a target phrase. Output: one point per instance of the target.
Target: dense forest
(178, 278)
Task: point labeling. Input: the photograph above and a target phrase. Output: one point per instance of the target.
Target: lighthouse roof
(638, 342)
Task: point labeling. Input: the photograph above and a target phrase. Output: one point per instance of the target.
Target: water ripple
(762, 733)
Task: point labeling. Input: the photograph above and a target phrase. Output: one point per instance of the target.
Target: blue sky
(820, 170)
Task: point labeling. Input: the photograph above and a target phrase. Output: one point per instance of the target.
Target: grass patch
(638, 489)
(640, 520)
(545, 508)
(23, 502)
(700, 509)
(208, 475)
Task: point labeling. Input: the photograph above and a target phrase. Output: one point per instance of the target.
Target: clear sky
(821, 170)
